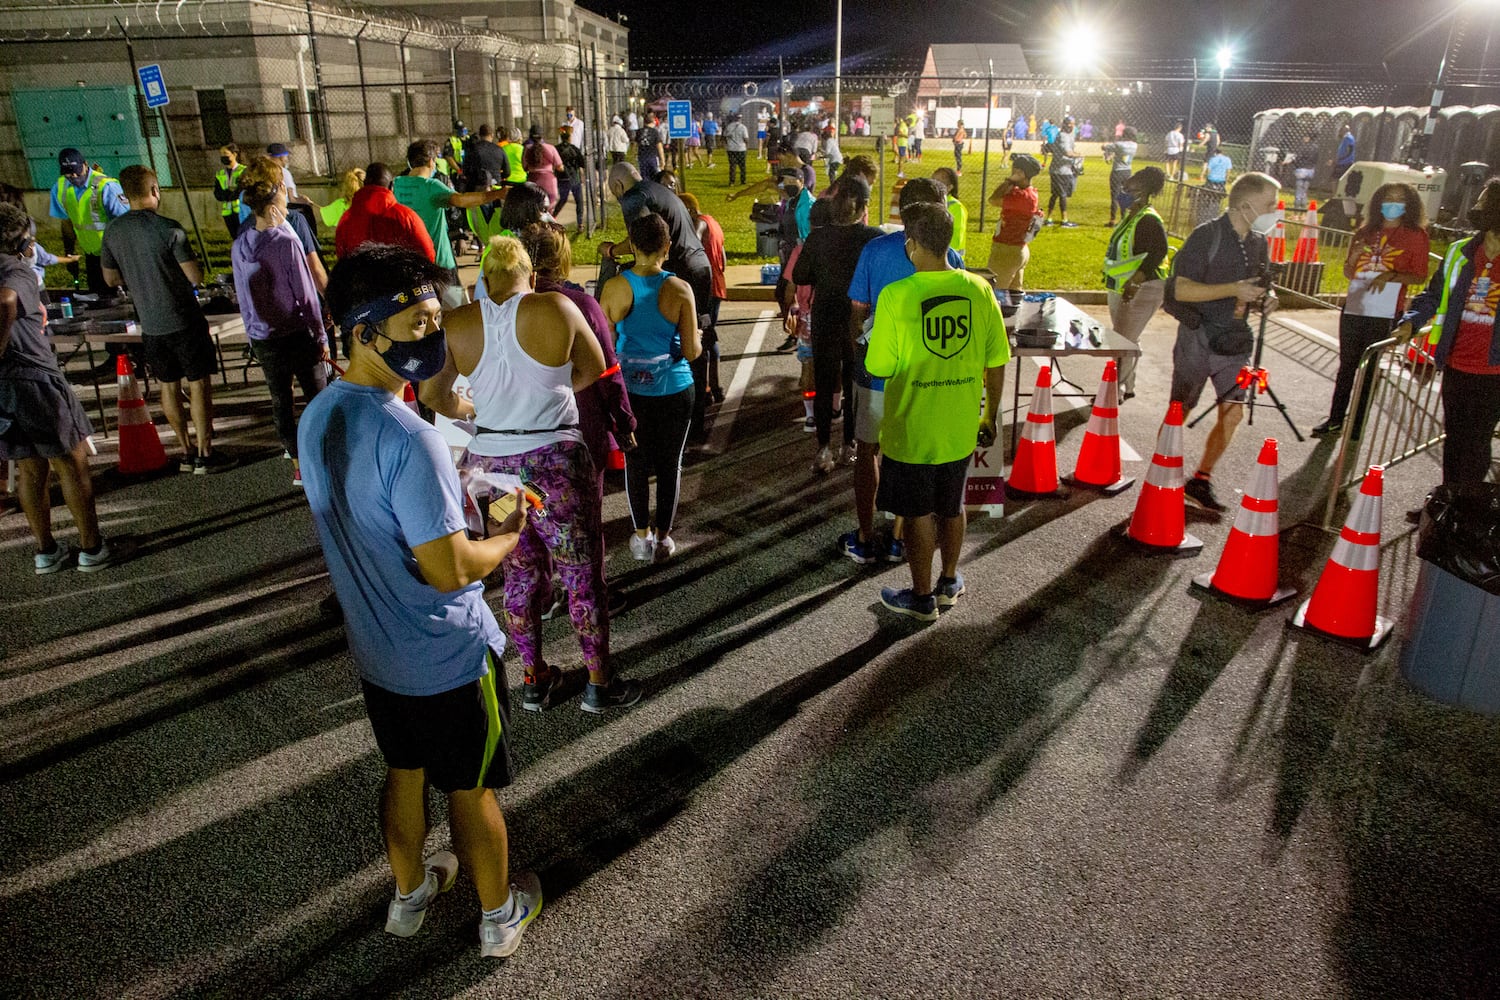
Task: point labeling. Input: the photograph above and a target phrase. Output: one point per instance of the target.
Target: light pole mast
(838, 68)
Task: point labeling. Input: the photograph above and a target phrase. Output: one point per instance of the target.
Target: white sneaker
(51, 562)
(91, 563)
(404, 917)
(665, 547)
(644, 549)
(824, 462)
(500, 940)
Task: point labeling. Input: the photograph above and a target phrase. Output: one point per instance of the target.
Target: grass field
(1061, 259)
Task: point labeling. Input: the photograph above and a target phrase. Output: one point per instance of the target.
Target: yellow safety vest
(1125, 263)
(457, 145)
(226, 181)
(85, 212)
(1452, 264)
(485, 229)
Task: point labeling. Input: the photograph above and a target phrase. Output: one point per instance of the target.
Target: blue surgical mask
(1393, 210)
(417, 360)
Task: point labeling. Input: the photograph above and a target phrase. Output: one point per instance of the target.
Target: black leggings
(1356, 335)
(832, 371)
(1471, 410)
(660, 437)
(736, 162)
(282, 359)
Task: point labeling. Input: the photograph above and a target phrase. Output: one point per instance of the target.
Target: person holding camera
(1220, 275)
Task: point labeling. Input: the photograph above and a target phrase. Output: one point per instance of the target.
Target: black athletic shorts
(918, 490)
(188, 354)
(461, 738)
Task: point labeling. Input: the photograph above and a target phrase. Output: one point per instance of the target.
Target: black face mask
(1485, 219)
(224, 160)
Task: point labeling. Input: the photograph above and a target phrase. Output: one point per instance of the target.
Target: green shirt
(960, 224)
(429, 199)
(935, 333)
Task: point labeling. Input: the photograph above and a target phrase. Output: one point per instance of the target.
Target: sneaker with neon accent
(500, 939)
(861, 552)
(51, 562)
(404, 916)
(904, 602)
(538, 693)
(948, 590)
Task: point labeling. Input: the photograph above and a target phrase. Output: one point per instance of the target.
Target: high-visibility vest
(1117, 270)
(513, 157)
(484, 229)
(1452, 264)
(86, 211)
(457, 145)
(227, 180)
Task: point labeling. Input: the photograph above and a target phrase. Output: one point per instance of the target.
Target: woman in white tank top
(525, 354)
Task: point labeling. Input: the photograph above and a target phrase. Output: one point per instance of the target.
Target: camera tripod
(1256, 379)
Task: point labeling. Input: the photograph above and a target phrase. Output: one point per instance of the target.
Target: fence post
(1187, 140)
(140, 98)
(984, 172)
(187, 196)
(312, 39)
(364, 93)
(406, 114)
(453, 82)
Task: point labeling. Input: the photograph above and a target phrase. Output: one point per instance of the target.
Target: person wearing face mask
(526, 354)
(227, 187)
(1218, 275)
(1062, 171)
(279, 304)
(150, 254)
(43, 428)
(1010, 246)
(1388, 253)
(86, 200)
(1121, 154)
(1462, 341)
(1133, 265)
(388, 509)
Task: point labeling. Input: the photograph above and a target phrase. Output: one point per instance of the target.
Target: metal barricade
(1394, 414)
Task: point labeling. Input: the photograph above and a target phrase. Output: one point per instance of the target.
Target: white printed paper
(1365, 300)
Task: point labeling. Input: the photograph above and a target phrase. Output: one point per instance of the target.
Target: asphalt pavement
(1086, 780)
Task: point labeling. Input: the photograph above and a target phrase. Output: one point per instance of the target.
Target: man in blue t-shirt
(1343, 159)
(389, 513)
(882, 261)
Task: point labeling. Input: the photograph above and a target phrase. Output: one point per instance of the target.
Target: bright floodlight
(1225, 57)
(1080, 44)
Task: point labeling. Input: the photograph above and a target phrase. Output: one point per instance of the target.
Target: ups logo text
(946, 323)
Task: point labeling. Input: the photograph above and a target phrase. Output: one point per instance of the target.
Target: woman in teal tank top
(656, 326)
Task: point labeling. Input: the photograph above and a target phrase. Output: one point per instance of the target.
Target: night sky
(1349, 31)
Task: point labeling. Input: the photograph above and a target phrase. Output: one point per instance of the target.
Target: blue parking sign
(679, 119)
(153, 86)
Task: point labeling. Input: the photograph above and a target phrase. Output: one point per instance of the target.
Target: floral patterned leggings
(566, 536)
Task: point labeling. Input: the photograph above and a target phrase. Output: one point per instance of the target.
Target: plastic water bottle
(67, 307)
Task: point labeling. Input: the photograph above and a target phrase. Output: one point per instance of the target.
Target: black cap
(1027, 164)
(70, 157)
(278, 149)
(536, 131)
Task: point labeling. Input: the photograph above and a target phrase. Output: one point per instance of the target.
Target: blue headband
(380, 310)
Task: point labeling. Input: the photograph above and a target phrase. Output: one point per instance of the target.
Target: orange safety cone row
(1278, 235)
(1099, 459)
(1344, 602)
(1160, 520)
(1307, 242)
(1033, 471)
(1248, 568)
(141, 450)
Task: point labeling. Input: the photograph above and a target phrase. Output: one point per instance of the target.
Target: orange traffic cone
(1252, 557)
(1160, 519)
(1307, 243)
(1343, 604)
(1278, 235)
(409, 397)
(1033, 472)
(1099, 459)
(140, 444)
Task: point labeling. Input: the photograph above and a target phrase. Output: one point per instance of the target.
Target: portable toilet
(1360, 182)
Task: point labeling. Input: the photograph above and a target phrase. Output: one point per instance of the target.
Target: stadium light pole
(838, 68)
(1225, 59)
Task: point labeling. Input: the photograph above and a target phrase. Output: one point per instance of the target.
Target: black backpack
(1185, 312)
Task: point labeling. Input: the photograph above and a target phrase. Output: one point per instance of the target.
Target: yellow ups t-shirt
(935, 333)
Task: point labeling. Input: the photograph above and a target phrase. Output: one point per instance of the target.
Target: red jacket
(374, 216)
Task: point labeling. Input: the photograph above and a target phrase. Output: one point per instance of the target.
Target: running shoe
(500, 939)
(896, 551)
(948, 590)
(618, 693)
(89, 562)
(188, 461)
(787, 345)
(537, 695)
(809, 425)
(643, 548)
(665, 548)
(51, 562)
(861, 552)
(297, 477)
(904, 602)
(1327, 427)
(846, 455)
(207, 465)
(404, 916)
(824, 462)
(1201, 492)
